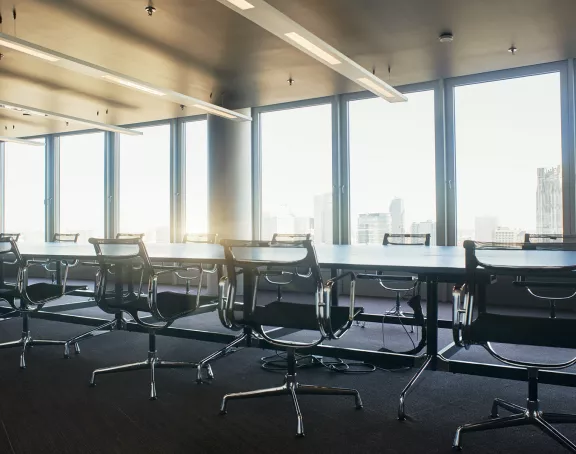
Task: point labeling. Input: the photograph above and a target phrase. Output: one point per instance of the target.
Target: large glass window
(508, 158)
(82, 185)
(197, 177)
(297, 172)
(392, 168)
(145, 183)
(24, 191)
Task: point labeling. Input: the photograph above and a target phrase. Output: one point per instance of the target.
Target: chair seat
(513, 329)
(170, 304)
(297, 315)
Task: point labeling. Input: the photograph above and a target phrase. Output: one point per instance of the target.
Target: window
(24, 191)
(508, 158)
(297, 172)
(145, 183)
(392, 168)
(82, 185)
(197, 177)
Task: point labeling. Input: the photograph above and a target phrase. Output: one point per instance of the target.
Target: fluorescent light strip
(242, 4)
(373, 86)
(99, 72)
(21, 141)
(27, 50)
(277, 23)
(130, 84)
(303, 42)
(93, 124)
(213, 111)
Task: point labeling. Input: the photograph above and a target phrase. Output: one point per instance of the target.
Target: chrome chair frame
(470, 297)
(322, 296)
(554, 240)
(138, 260)
(26, 305)
(208, 238)
(62, 238)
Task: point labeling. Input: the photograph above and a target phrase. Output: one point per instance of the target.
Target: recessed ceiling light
(446, 37)
(513, 49)
(242, 4)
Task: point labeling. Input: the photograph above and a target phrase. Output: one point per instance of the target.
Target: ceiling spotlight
(150, 8)
(446, 37)
(513, 49)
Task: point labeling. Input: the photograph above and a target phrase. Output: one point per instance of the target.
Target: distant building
(549, 200)
(323, 218)
(425, 227)
(397, 215)
(484, 228)
(372, 227)
(506, 235)
(280, 221)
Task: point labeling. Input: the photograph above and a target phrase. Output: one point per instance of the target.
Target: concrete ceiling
(205, 50)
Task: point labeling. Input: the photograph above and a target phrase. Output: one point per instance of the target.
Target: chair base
(152, 363)
(225, 351)
(293, 388)
(531, 415)
(102, 329)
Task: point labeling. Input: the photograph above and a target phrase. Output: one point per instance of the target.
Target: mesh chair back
(110, 252)
(9, 251)
(405, 239)
(209, 238)
(15, 236)
(65, 237)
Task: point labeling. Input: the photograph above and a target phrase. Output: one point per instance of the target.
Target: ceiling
(206, 50)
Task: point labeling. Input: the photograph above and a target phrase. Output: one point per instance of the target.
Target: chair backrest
(406, 239)
(124, 236)
(267, 254)
(123, 251)
(8, 248)
(15, 236)
(209, 238)
(65, 237)
(484, 262)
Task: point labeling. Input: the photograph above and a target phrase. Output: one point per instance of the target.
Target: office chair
(257, 258)
(26, 299)
(62, 238)
(128, 257)
(551, 241)
(209, 238)
(287, 277)
(474, 325)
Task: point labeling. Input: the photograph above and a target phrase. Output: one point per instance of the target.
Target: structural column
(230, 177)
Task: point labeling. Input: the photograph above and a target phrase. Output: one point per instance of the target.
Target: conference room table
(432, 265)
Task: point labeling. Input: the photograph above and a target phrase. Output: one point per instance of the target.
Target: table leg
(58, 272)
(432, 319)
(248, 295)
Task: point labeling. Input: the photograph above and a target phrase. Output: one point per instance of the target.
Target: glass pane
(24, 191)
(197, 177)
(297, 172)
(145, 183)
(392, 168)
(82, 185)
(508, 158)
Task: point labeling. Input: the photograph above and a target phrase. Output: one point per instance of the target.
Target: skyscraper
(323, 218)
(397, 215)
(484, 228)
(549, 200)
(372, 227)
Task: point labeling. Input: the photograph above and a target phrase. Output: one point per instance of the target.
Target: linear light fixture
(99, 72)
(242, 4)
(93, 124)
(277, 23)
(21, 141)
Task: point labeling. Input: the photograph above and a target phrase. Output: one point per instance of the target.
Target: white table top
(416, 259)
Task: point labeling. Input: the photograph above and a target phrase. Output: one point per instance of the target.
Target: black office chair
(551, 241)
(61, 238)
(286, 277)
(26, 299)
(473, 324)
(128, 257)
(207, 238)
(332, 322)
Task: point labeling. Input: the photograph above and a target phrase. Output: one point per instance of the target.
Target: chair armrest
(460, 305)
(323, 308)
